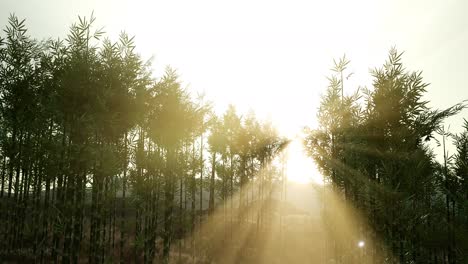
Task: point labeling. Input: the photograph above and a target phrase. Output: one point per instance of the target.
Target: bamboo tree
(385, 142)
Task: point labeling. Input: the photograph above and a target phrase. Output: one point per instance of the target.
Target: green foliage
(96, 153)
(377, 155)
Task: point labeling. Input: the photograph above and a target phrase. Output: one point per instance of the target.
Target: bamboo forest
(104, 160)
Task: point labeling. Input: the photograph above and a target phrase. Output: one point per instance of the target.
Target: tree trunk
(212, 183)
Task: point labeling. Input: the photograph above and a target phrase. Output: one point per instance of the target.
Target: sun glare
(300, 167)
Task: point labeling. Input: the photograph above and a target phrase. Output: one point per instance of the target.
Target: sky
(273, 57)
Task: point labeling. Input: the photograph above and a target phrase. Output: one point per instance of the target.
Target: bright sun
(300, 167)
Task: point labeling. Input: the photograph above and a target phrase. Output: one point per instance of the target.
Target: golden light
(300, 167)
(361, 244)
